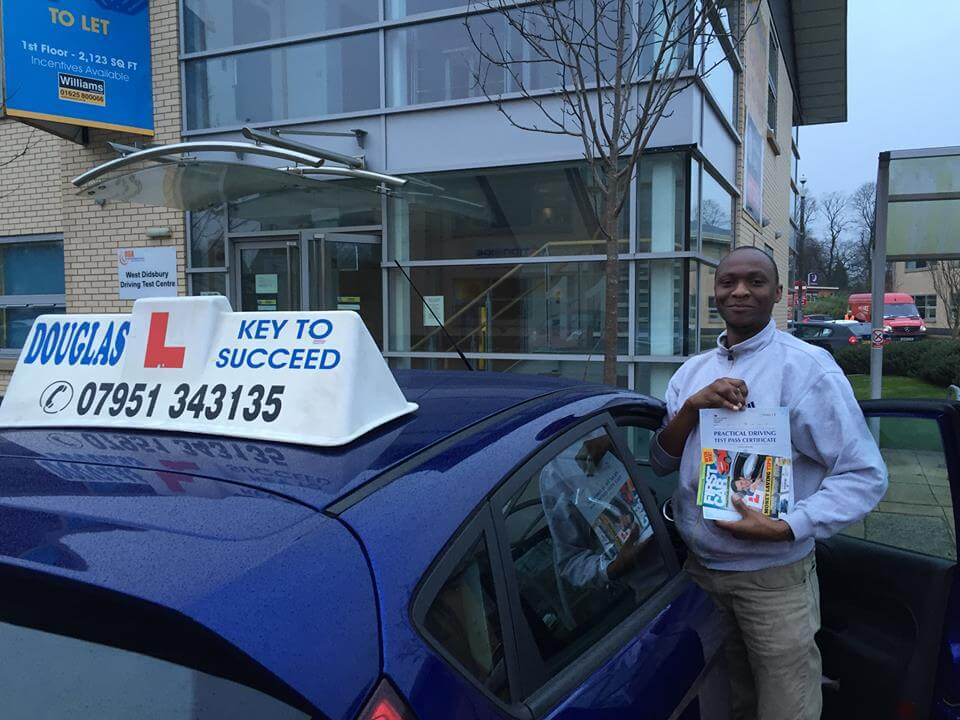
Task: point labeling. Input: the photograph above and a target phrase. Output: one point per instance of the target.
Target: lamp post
(799, 286)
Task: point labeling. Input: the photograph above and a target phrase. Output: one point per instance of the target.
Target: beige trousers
(771, 616)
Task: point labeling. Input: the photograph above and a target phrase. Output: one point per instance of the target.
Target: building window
(661, 188)
(439, 61)
(927, 307)
(217, 24)
(31, 284)
(328, 77)
(403, 8)
(716, 218)
(914, 265)
(713, 315)
(773, 65)
(555, 308)
(531, 211)
(720, 77)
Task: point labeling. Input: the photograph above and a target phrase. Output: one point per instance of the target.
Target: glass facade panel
(208, 283)
(661, 205)
(716, 221)
(720, 78)
(207, 238)
(538, 308)
(402, 8)
(663, 307)
(540, 210)
(440, 61)
(297, 81)
(16, 321)
(215, 24)
(31, 268)
(694, 243)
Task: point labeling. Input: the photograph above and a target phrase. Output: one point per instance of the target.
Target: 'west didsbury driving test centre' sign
(80, 62)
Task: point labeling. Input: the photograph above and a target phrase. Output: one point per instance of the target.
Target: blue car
(436, 568)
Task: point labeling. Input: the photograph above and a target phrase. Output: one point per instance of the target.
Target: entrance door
(267, 275)
(348, 268)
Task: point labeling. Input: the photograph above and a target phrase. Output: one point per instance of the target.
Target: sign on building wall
(80, 62)
(147, 272)
(753, 171)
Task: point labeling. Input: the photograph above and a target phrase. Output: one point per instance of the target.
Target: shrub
(932, 360)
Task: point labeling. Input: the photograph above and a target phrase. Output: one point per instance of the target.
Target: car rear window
(53, 676)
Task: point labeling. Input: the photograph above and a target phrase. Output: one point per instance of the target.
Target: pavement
(916, 513)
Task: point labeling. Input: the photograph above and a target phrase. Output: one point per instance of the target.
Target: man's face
(746, 289)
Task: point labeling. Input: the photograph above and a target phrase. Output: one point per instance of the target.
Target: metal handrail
(204, 146)
(507, 274)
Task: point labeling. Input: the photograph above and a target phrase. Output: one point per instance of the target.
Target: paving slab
(942, 494)
(930, 535)
(911, 493)
(907, 509)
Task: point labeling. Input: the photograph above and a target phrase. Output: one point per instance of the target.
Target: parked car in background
(816, 318)
(832, 336)
(901, 319)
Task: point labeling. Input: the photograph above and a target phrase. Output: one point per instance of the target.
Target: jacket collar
(752, 345)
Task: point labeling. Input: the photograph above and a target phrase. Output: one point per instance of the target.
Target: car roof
(449, 402)
(226, 533)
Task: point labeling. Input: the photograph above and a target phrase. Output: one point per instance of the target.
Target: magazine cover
(745, 453)
(610, 503)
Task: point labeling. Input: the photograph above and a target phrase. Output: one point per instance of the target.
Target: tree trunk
(612, 287)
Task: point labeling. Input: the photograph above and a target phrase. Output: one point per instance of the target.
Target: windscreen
(53, 676)
(896, 310)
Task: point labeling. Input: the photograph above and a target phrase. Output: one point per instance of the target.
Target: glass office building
(503, 243)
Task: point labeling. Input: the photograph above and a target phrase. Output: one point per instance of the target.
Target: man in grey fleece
(761, 572)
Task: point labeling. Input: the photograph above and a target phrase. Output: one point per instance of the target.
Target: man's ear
(779, 292)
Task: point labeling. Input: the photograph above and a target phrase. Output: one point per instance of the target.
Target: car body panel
(221, 554)
(400, 558)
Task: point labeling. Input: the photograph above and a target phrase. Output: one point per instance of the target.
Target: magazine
(746, 453)
(610, 504)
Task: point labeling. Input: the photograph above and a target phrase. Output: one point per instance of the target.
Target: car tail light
(385, 704)
(852, 340)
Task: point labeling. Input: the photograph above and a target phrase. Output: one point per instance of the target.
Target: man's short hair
(768, 256)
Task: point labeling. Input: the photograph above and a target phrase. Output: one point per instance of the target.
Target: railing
(484, 325)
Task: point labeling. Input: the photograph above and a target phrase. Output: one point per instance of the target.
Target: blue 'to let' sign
(81, 62)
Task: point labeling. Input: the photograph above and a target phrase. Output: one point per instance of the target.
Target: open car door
(891, 611)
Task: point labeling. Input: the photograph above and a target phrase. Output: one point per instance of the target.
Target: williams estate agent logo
(80, 89)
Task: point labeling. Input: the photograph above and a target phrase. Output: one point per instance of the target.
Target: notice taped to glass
(748, 454)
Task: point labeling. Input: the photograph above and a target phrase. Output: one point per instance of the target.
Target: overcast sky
(903, 91)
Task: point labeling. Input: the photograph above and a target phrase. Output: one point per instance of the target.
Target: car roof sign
(191, 364)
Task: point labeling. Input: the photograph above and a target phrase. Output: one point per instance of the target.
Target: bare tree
(863, 205)
(21, 152)
(833, 211)
(615, 66)
(946, 283)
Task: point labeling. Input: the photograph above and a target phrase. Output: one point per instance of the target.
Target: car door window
(463, 618)
(582, 547)
(826, 332)
(916, 513)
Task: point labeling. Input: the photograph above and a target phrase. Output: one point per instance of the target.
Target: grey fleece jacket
(839, 474)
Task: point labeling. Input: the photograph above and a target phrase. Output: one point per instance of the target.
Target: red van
(901, 319)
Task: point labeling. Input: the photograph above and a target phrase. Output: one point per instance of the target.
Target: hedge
(933, 360)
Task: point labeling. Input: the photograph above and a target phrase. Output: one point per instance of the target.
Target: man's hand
(626, 559)
(724, 393)
(755, 525)
(721, 394)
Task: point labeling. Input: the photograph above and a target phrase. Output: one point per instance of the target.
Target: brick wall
(776, 168)
(30, 165)
(46, 201)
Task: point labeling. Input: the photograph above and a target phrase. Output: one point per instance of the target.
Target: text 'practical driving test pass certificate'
(745, 453)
